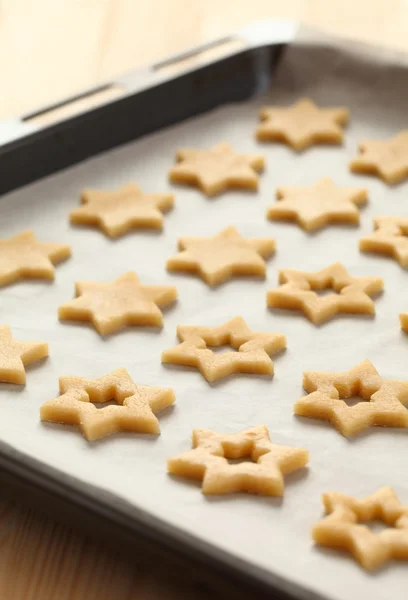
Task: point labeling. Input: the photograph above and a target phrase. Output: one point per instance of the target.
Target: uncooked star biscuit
(216, 259)
(389, 238)
(252, 356)
(386, 158)
(14, 356)
(343, 527)
(318, 205)
(135, 410)
(302, 124)
(120, 303)
(217, 169)
(122, 210)
(404, 321)
(351, 294)
(208, 462)
(23, 256)
(385, 399)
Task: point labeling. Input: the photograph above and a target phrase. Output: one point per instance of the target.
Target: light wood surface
(49, 50)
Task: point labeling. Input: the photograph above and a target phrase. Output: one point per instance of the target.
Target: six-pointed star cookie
(302, 124)
(119, 211)
(219, 258)
(135, 411)
(113, 306)
(390, 237)
(343, 527)
(208, 462)
(15, 355)
(24, 256)
(253, 356)
(386, 158)
(217, 169)
(352, 294)
(385, 399)
(318, 205)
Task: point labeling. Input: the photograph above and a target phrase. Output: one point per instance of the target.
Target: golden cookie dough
(302, 125)
(252, 356)
(218, 258)
(389, 238)
(217, 169)
(351, 294)
(318, 205)
(386, 158)
(385, 399)
(122, 210)
(23, 256)
(343, 527)
(118, 304)
(135, 410)
(208, 462)
(404, 321)
(14, 356)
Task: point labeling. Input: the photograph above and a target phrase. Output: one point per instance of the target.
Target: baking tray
(118, 488)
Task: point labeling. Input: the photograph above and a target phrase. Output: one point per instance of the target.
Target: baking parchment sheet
(271, 533)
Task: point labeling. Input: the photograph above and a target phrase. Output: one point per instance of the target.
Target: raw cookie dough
(302, 125)
(252, 356)
(404, 321)
(217, 169)
(343, 527)
(385, 399)
(218, 258)
(120, 303)
(386, 158)
(389, 238)
(351, 294)
(122, 210)
(134, 412)
(208, 462)
(318, 205)
(14, 356)
(23, 256)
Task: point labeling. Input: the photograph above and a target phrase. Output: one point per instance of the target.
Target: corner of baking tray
(263, 33)
(269, 31)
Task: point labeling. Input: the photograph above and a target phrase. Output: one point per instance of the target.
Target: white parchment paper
(271, 533)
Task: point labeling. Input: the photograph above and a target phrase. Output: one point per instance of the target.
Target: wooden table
(49, 50)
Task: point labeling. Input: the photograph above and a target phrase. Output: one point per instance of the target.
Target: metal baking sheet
(272, 534)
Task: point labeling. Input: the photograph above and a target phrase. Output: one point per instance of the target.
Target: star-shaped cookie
(351, 294)
(122, 210)
(404, 321)
(390, 237)
(385, 399)
(217, 169)
(120, 303)
(252, 356)
(135, 410)
(14, 356)
(216, 259)
(318, 205)
(302, 124)
(264, 475)
(23, 256)
(386, 158)
(343, 527)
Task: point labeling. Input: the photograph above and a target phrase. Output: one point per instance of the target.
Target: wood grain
(49, 50)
